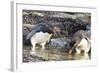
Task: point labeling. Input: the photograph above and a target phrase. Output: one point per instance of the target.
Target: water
(50, 54)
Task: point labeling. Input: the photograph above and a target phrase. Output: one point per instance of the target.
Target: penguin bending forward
(40, 34)
(80, 42)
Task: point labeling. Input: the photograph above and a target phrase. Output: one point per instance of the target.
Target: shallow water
(50, 54)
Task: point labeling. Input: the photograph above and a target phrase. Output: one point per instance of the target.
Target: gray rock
(59, 42)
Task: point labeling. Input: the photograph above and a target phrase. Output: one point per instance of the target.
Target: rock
(66, 21)
(32, 58)
(59, 42)
(25, 33)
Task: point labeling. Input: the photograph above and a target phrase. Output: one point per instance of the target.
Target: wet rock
(60, 42)
(25, 32)
(32, 58)
(68, 22)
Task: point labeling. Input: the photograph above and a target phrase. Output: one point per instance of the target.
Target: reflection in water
(81, 56)
(51, 55)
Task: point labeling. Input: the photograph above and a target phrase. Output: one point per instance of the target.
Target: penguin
(40, 34)
(80, 42)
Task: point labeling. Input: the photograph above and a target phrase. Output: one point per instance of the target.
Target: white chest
(83, 42)
(40, 37)
(83, 45)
